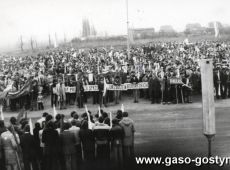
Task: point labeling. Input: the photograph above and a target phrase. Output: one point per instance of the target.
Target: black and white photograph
(114, 84)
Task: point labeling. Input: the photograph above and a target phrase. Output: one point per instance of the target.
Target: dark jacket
(51, 140)
(68, 141)
(27, 143)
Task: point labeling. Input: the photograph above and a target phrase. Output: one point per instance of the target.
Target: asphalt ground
(174, 130)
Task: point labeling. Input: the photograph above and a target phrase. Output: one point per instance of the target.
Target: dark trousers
(80, 101)
(116, 96)
(30, 164)
(40, 106)
(54, 100)
(95, 97)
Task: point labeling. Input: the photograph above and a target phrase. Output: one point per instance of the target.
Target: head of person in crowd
(72, 114)
(76, 116)
(44, 114)
(107, 121)
(58, 117)
(125, 114)
(104, 115)
(48, 118)
(27, 128)
(13, 120)
(84, 125)
(100, 119)
(66, 126)
(119, 115)
(37, 126)
(23, 122)
(50, 125)
(115, 121)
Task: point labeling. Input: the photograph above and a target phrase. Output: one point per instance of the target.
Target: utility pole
(21, 43)
(127, 15)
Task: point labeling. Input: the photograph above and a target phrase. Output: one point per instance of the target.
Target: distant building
(194, 29)
(140, 33)
(167, 31)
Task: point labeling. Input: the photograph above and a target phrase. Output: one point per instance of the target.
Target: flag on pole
(99, 111)
(31, 126)
(111, 118)
(90, 126)
(105, 87)
(122, 108)
(54, 112)
(1, 112)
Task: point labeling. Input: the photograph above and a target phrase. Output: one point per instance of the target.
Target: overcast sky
(38, 18)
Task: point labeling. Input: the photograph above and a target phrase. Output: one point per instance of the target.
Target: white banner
(114, 87)
(91, 88)
(70, 89)
(141, 85)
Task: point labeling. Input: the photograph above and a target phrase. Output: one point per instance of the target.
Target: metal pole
(127, 15)
(210, 138)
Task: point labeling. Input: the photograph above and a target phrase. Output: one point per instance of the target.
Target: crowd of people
(155, 63)
(83, 141)
(171, 71)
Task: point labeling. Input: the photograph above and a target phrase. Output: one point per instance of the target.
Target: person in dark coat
(116, 137)
(37, 143)
(101, 135)
(50, 138)
(28, 149)
(155, 92)
(68, 141)
(88, 142)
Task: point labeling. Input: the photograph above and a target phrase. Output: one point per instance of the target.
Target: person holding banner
(79, 93)
(54, 94)
(134, 80)
(155, 89)
(61, 94)
(117, 82)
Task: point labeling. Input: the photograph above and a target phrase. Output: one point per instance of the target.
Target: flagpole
(127, 15)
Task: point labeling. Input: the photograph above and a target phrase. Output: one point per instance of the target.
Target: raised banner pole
(209, 125)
